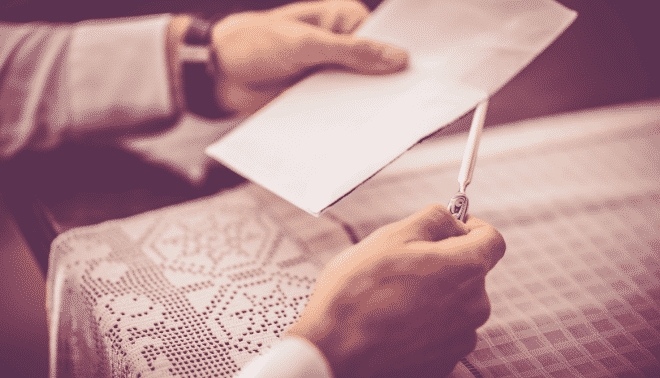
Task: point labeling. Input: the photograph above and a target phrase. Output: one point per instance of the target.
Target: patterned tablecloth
(199, 289)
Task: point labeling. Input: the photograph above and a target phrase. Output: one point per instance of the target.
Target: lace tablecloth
(199, 289)
(193, 291)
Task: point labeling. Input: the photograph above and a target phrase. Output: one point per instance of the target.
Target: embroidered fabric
(202, 288)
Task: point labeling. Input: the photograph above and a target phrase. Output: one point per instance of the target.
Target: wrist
(317, 330)
(176, 32)
(334, 330)
(197, 70)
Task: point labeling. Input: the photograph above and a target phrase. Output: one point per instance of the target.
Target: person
(107, 79)
(406, 301)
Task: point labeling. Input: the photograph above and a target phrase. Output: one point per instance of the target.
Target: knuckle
(239, 18)
(498, 244)
(483, 312)
(491, 248)
(470, 260)
(477, 308)
(309, 41)
(386, 233)
(437, 209)
(477, 261)
(233, 18)
(363, 47)
(435, 212)
(356, 7)
(385, 230)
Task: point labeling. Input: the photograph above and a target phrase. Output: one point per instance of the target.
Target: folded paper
(332, 131)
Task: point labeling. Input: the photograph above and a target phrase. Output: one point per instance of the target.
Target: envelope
(332, 131)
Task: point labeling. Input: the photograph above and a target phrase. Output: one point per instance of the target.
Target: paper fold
(325, 136)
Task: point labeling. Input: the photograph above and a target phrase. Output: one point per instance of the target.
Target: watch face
(199, 32)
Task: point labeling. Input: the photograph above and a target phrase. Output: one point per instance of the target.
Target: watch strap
(199, 69)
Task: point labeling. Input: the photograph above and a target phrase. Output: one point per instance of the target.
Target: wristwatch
(199, 68)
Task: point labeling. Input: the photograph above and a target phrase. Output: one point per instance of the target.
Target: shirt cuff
(118, 74)
(291, 358)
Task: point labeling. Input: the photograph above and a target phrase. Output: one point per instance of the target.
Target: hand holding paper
(263, 53)
(325, 136)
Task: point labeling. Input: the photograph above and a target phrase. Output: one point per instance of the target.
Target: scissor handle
(458, 206)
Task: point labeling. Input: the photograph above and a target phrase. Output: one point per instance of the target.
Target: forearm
(101, 79)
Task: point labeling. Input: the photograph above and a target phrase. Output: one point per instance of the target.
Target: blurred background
(610, 55)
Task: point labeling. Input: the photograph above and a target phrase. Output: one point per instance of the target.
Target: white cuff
(118, 73)
(291, 358)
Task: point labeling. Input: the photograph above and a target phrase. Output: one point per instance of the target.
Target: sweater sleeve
(290, 358)
(59, 81)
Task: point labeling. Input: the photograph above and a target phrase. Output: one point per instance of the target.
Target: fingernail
(395, 56)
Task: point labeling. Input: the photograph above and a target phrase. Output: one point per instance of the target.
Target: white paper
(325, 136)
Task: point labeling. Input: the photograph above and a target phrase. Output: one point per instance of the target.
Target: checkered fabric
(197, 290)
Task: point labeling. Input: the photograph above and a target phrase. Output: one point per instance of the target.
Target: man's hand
(260, 54)
(406, 301)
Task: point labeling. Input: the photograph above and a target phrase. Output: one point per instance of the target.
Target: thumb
(432, 223)
(363, 55)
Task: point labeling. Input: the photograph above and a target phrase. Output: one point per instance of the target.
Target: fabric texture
(62, 81)
(203, 288)
(195, 290)
(290, 358)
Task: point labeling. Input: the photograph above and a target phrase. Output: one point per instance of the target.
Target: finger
(331, 20)
(353, 20)
(476, 306)
(340, 24)
(462, 344)
(335, 16)
(241, 99)
(458, 345)
(483, 245)
(369, 57)
(351, 23)
(345, 16)
(358, 54)
(473, 222)
(432, 223)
